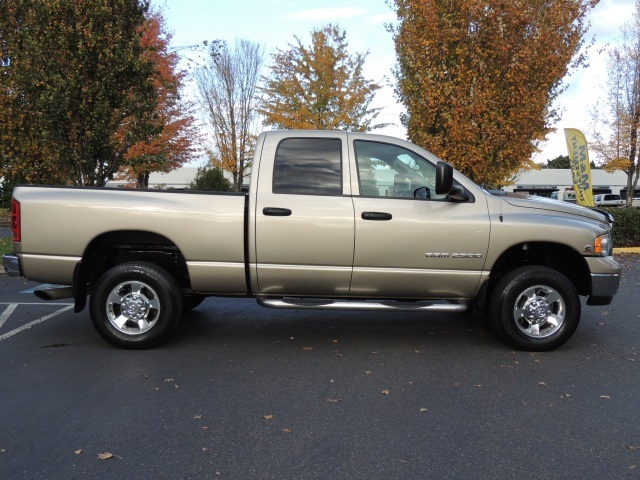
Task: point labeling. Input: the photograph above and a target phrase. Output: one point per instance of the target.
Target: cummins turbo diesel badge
(454, 255)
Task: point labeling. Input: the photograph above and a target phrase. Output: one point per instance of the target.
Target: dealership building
(545, 181)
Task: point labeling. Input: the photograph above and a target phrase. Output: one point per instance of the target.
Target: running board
(390, 306)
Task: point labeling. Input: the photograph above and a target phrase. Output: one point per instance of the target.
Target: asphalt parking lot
(243, 392)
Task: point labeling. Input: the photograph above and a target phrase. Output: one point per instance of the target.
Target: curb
(627, 250)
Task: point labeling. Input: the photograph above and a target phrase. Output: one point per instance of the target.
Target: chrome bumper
(11, 265)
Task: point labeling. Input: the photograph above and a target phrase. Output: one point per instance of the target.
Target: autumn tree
(478, 78)
(320, 86)
(226, 91)
(167, 134)
(76, 88)
(616, 120)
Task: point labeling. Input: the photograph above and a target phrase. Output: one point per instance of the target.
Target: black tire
(191, 301)
(135, 305)
(535, 308)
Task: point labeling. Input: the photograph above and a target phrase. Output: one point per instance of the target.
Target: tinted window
(308, 166)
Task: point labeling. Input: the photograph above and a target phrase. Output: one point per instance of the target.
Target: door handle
(376, 216)
(276, 212)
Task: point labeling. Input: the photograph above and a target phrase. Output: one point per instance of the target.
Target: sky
(276, 23)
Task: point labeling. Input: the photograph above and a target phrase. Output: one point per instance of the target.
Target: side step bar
(390, 306)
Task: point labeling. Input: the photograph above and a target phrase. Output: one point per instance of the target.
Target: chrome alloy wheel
(133, 307)
(539, 311)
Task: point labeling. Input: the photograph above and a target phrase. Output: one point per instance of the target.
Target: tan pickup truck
(332, 220)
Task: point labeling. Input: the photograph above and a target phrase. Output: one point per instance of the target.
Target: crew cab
(332, 220)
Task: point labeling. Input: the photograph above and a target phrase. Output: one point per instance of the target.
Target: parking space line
(35, 322)
(7, 313)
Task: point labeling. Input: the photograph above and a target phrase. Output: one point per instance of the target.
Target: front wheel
(535, 308)
(135, 305)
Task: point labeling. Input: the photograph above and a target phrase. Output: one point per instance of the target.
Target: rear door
(304, 226)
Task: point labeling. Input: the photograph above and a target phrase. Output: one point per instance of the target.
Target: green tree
(75, 88)
(478, 78)
(210, 179)
(563, 161)
(319, 86)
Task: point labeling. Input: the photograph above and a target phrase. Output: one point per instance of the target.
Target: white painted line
(35, 322)
(7, 313)
(45, 303)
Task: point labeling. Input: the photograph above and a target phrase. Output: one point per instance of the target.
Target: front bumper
(604, 285)
(11, 265)
(605, 279)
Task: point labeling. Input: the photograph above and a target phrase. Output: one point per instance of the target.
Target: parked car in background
(608, 200)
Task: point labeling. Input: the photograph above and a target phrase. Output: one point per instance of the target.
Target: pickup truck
(332, 220)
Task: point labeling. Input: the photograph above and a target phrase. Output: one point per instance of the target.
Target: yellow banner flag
(580, 166)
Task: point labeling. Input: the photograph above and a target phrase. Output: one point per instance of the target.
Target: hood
(544, 203)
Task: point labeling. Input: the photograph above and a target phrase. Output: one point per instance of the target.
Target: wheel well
(559, 257)
(114, 248)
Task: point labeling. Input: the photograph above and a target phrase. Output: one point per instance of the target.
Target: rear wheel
(135, 305)
(535, 308)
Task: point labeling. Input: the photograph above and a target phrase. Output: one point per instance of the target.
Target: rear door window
(308, 166)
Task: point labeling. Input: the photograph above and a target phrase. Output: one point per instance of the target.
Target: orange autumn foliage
(478, 78)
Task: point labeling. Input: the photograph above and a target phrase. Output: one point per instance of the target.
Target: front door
(410, 242)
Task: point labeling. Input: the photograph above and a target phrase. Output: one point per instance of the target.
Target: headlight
(603, 245)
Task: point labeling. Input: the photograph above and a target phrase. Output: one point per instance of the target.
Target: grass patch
(6, 245)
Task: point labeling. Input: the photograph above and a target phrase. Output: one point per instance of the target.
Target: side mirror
(444, 178)
(422, 193)
(445, 186)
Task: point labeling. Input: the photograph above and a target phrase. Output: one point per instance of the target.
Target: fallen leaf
(335, 341)
(423, 409)
(606, 397)
(334, 400)
(385, 392)
(286, 430)
(197, 417)
(105, 456)
(77, 452)
(204, 428)
(268, 417)
(478, 386)
(542, 384)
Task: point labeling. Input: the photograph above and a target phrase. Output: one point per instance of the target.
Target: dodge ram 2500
(331, 220)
